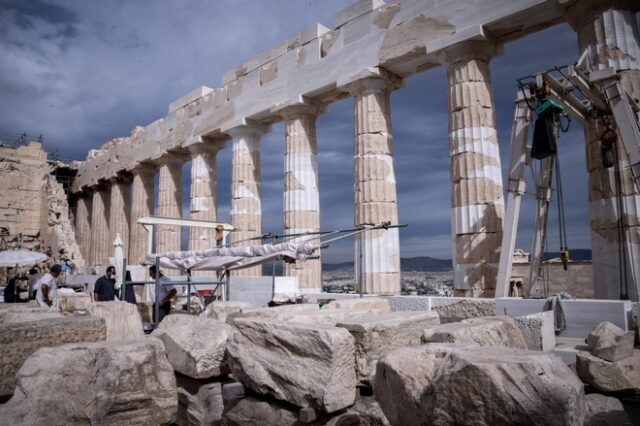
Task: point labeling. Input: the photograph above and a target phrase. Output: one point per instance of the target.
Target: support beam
(141, 206)
(246, 204)
(301, 196)
(375, 184)
(477, 199)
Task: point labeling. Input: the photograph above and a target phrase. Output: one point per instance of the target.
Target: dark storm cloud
(82, 73)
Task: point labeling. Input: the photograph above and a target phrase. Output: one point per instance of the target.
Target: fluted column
(608, 31)
(119, 211)
(202, 204)
(375, 185)
(99, 226)
(246, 205)
(169, 201)
(83, 225)
(141, 206)
(477, 200)
(301, 196)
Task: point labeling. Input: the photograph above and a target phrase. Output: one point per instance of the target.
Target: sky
(83, 72)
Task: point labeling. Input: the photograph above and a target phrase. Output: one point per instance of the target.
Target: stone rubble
(482, 331)
(18, 341)
(607, 376)
(605, 411)
(122, 319)
(220, 310)
(359, 304)
(253, 411)
(609, 342)
(195, 346)
(199, 402)
(95, 383)
(464, 309)
(375, 335)
(453, 384)
(72, 302)
(538, 331)
(302, 364)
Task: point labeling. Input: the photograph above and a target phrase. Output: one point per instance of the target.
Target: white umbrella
(118, 256)
(21, 257)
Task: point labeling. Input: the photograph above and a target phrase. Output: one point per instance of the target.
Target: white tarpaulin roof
(20, 257)
(230, 258)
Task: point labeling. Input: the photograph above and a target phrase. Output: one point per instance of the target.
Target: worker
(166, 293)
(47, 288)
(104, 289)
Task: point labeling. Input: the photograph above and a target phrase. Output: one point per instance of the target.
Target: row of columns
(476, 196)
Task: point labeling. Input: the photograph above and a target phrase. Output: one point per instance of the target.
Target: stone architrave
(100, 244)
(375, 184)
(202, 205)
(95, 383)
(440, 384)
(482, 331)
(169, 202)
(141, 206)
(246, 203)
(301, 196)
(477, 200)
(305, 365)
(19, 340)
(608, 31)
(83, 224)
(119, 212)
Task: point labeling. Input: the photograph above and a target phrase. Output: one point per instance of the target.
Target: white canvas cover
(231, 258)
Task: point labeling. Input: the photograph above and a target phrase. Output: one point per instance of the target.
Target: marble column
(608, 31)
(477, 199)
(141, 206)
(301, 196)
(119, 212)
(202, 205)
(246, 206)
(375, 184)
(169, 202)
(99, 226)
(83, 225)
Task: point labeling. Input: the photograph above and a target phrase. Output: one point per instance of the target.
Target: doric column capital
(483, 50)
(377, 81)
(291, 111)
(578, 12)
(204, 147)
(248, 129)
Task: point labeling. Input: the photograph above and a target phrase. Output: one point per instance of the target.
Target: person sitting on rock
(165, 294)
(104, 289)
(47, 288)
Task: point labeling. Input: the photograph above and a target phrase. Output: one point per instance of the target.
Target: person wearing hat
(47, 288)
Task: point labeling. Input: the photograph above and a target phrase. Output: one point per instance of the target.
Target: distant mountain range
(420, 264)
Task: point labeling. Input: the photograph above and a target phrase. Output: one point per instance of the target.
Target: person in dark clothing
(11, 292)
(104, 290)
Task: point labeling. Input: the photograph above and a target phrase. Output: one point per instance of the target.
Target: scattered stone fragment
(466, 308)
(72, 302)
(13, 317)
(365, 412)
(303, 364)
(122, 319)
(251, 411)
(199, 402)
(364, 303)
(375, 335)
(606, 376)
(19, 340)
(221, 310)
(332, 317)
(95, 383)
(440, 384)
(538, 331)
(276, 313)
(605, 411)
(483, 331)
(609, 342)
(195, 346)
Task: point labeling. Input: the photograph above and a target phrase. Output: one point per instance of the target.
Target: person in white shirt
(47, 288)
(165, 294)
